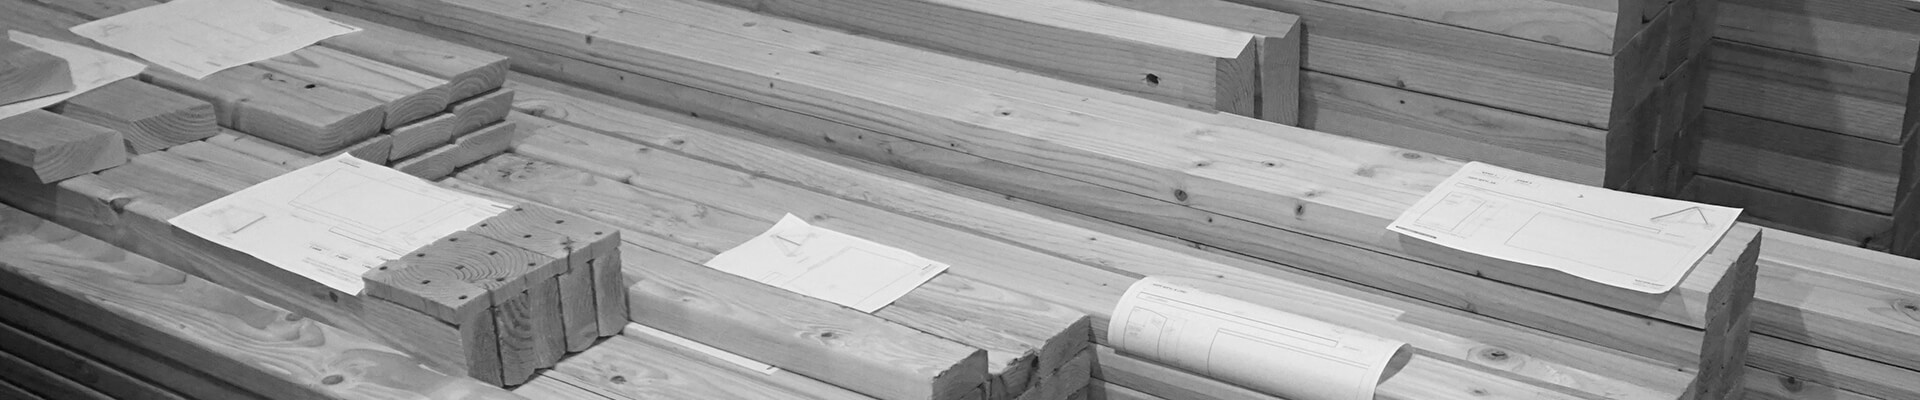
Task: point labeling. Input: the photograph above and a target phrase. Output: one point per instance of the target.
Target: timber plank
(405, 96)
(1780, 210)
(104, 379)
(44, 383)
(1280, 36)
(422, 135)
(578, 311)
(480, 111)
(469, 72)
(442, 161)
(302, 114)
(137, 364)
(640, 367)
(45, 147)
(1177, 61)
(186, 318)
(151, 118)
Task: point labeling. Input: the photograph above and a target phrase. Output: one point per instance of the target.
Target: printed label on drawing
(1269, 350)
(1626, 240)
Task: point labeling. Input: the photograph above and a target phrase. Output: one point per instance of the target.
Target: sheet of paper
(1260, 348)
(828, 265)
(201, 37)
(1621, 239)
(334, 220)
(715, 352)
(90, 68)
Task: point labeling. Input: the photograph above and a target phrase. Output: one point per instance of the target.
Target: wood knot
(618, 379)
(1908, 307)
(1792, 384)
(1410, 155)
(1496, 357)
(1180, 195)
(331, 380)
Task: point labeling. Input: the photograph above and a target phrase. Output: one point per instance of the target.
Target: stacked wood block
(383, 94)
(26, 73)
(1251, 72)
(632, 154)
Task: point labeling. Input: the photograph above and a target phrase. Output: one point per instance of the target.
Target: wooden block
(376, 149)
(480, 111)
(550, 328)
(470, 270)
(1280, 37)
(291, 111)
(422, 135)
(151, 118)
(468, 149)
(646, 365)
(469, 72)
(26, 73)
(578, 311)
(185, 318)
(469, 347)
(287, 158)
(47, 147)
(1177, 61)
(596, 250)
(405, 96)
(518, 337)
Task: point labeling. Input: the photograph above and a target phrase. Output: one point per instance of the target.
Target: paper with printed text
(200, 37)
(828, 265)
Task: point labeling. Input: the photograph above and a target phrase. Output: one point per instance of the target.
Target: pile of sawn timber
(166, 145)
(1855, 342)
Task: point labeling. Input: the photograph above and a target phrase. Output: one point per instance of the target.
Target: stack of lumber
(499, 329)
(688, 180)
(1251, 70)
(1804, 125)
(385, 95)
(1596, 92)
(1316, 201)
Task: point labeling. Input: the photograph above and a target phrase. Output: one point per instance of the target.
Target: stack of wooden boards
(1804, 125)
(382, 94)
(517, 291)
(296, 101)
(1798, 350)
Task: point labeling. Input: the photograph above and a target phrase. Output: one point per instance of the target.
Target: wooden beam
(404, 95)
(1280, 36)
(45, 383)
(469, 72)
(151, 118)
(45, 147)
(481, 111)
(1172, 60)
(422, 135)
(26, 73)
(117, 354)
(295, 112)
(186, 318)
(442, 161)
(105, 379)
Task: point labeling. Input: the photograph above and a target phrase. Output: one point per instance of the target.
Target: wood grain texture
(641, 367)
(1830, 95)
(295, 112)
(675, 131)
(1880, 33)
(46, 147)
(131, 362)
(595, 250)
(469, 72)
(151, 118)
(45, 383)
(406, 96)
(578, 312)
(106, 380)
(442, 161)
(1841, 169)
(376, 149)
(480, 111)
(187, 318)
(1802, 215)
(1177, 61)
(1767, 385)
(26, 73)
(422, 135)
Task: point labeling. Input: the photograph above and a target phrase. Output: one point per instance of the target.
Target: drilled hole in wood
(426, 282)
(1153, 80)
(420, 254)
(453, 239)
(459, 267)
(526, 236)
(499, 279)
(530, 264)
(463, 297)
(559, 221)
(493, 253)
(483, 225)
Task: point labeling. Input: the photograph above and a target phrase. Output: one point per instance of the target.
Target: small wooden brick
(150, 117)
(422, 135)
(50, 148)
(486, 109)
(26, 73)
(580, 323)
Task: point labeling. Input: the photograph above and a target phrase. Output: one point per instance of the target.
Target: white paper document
(1621, 239)
(201, 37)
(828, 265)
(697, 347)
(90, 68)
(1260, 348)
(334, 220)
